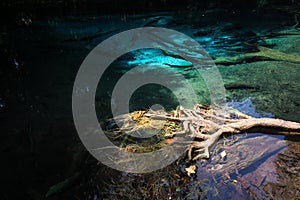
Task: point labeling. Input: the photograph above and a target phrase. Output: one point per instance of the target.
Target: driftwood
(207, 125)
(264, 53)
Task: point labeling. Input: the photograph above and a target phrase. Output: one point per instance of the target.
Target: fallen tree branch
(206, 125)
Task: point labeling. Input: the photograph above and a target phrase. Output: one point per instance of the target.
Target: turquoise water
(42, 147)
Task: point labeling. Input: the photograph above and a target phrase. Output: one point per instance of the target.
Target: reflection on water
(247, 158)
(246, 106)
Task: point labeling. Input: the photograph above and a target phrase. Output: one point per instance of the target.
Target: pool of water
(41, 147)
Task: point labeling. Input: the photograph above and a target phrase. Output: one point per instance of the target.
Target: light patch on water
(156, 56)
(246, 106)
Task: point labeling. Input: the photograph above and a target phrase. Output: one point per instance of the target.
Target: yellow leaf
(137, 114)
(190, 170)
(177, 175)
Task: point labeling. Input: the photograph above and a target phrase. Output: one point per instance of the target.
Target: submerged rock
(155, 56)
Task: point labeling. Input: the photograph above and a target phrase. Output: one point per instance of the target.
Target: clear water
(43, 58)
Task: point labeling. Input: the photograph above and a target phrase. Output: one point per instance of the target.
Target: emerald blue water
(41, 146)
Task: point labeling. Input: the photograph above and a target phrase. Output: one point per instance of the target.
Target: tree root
(206, 126)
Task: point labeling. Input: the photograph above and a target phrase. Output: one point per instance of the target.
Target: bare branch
(206, 126)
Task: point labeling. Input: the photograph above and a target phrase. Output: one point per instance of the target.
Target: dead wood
(207, 125)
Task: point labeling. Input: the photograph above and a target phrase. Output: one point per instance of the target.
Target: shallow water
(40, 144)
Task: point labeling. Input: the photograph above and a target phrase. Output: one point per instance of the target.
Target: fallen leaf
(223, 154)
(168, 141)
(137, 114)
(190, 170)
